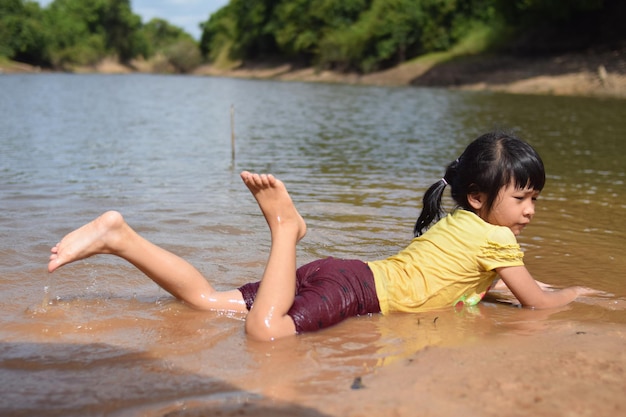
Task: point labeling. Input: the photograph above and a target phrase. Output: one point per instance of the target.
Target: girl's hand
(531, 293)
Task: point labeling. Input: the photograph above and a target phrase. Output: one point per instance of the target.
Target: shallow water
(98, 338)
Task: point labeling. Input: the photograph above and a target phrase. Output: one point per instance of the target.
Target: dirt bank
(601, 74)
(590, 73)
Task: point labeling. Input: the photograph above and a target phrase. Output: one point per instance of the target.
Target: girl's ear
(476, 200)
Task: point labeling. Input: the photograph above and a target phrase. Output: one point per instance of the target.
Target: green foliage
(217, 35)
(386, 34)
(352, 34)
(81, 32)
(178, 48)
(120, 26)
(392, 31)
(362, 35)
(367, 35)
(160, 35)
(300, 26)
(75, 37)
(253, 35)
(22, 35)
(533, 12)
(87, 31)
(183, 55)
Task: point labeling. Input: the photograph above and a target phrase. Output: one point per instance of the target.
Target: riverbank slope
(588, 73)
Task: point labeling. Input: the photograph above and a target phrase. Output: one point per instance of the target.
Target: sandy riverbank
(597, 74)
(559, 369)
(591, 73)
(573, 371)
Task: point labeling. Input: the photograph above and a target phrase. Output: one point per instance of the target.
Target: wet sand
(493, 362)
(572, 370)
(533, 366)
(538, 367)
(541, 369)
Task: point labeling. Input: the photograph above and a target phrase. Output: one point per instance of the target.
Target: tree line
(346, 35)
(69, 33)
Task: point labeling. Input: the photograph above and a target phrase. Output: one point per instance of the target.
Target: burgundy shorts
(327, 292)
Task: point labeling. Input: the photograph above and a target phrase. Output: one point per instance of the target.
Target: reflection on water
(356, 159)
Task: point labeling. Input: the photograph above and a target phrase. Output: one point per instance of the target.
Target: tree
(84, 32)
(384, 35)
(159, 34)
(120, 26)
(218, 34)
(253, 37)
(177, 47)
(23, 37)
(301, 25)
(363, 35)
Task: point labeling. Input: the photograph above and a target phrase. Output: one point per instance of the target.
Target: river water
(98, 338)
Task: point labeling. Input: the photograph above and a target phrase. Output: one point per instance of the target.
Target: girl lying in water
(454, 258)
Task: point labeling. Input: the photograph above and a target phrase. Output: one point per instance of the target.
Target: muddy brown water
(98, 338)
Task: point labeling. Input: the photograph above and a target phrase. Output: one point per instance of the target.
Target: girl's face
(513, 208)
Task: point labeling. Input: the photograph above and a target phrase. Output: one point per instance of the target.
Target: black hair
(489, 163)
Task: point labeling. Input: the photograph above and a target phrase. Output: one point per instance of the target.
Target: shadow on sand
(100, 379)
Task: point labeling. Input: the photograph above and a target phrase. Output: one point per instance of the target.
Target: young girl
(495, 183)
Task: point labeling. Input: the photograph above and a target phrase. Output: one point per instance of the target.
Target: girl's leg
(110, 234)
(268, 317)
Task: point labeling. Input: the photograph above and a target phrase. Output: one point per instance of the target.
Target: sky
(186, 14)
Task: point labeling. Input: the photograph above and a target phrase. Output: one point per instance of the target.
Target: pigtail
(432, 209)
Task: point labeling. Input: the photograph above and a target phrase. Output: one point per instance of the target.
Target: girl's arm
(499, 285)
(530, 293)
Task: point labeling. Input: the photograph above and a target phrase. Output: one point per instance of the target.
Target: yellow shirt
(454, 261)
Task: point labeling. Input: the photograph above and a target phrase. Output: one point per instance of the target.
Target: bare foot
(275, 202)
(99, 236)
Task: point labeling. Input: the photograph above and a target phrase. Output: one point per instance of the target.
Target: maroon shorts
(327, 292)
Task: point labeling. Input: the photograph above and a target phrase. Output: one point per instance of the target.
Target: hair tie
(444, 181)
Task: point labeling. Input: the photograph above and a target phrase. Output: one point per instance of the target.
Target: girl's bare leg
(268, 317)
(267, 320)
(110, 234)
